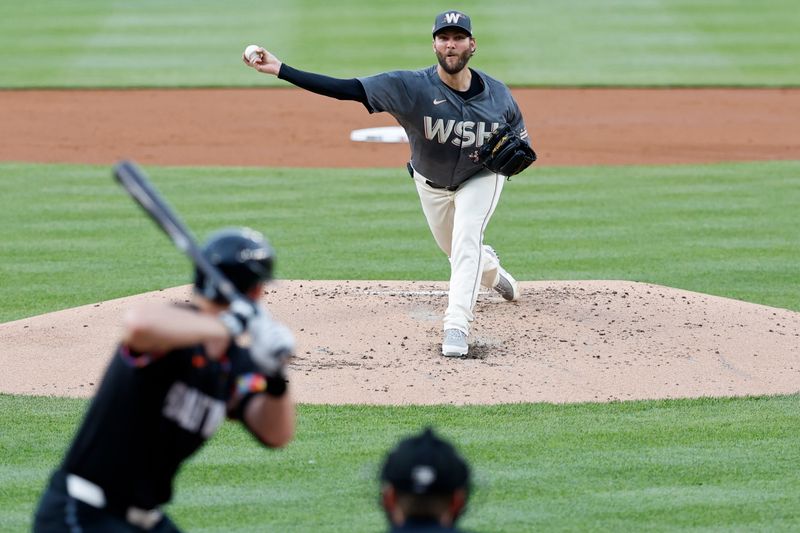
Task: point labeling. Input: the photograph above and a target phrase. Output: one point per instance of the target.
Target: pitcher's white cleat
(454, 343)
(506, 284)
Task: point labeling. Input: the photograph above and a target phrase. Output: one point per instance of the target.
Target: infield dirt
(287, 127)
(377, 342)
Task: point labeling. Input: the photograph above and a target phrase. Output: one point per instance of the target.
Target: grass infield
(71, 236)
(708, 464)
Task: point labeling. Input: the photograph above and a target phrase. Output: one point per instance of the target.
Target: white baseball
(251, 53)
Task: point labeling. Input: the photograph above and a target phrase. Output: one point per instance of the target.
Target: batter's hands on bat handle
(271, 343)
(237, 316)
(267, 63)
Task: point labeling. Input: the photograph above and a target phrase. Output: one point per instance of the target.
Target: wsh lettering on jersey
(192, 410)
(464, 132)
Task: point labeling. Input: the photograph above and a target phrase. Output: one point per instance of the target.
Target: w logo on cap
(452, 19)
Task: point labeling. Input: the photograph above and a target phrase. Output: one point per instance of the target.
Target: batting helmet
(243, 255)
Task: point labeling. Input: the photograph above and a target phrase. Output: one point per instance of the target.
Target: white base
(390, 134)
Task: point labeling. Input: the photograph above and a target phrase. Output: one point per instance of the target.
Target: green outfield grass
(701, 465)
(71, 236)
(97, 43)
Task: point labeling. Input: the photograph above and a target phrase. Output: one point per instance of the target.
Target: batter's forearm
(341, 89)
(161, 328)
(271, 419)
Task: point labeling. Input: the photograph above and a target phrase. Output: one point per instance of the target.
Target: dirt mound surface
(378, 343)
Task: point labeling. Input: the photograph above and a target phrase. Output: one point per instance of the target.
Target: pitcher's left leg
(475, 203)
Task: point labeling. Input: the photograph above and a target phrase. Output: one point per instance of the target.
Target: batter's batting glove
(271, 344)
(236, 317)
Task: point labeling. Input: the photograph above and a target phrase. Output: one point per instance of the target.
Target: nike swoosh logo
(437, 102)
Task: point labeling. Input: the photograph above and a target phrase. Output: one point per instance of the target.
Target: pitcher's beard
(463, 59)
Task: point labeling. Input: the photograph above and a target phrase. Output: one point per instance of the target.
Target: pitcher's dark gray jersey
(443, 129)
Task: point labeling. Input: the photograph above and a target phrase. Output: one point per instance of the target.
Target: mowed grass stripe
(652, 465)
(625, 42)
(72, 237)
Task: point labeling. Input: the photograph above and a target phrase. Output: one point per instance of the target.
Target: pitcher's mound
(378, 343)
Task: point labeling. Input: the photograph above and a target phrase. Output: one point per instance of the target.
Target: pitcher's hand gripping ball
(252, 54)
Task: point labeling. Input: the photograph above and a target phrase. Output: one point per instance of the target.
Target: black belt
(429, 183)
(437, 186)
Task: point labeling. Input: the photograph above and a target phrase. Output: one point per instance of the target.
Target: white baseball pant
(458, 220)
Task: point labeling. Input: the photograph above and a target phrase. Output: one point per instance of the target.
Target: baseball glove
(505, 152)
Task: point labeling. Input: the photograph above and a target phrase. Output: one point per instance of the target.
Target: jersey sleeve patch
(250, 384)
(245, 388)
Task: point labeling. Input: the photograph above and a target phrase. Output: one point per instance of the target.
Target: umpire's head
(424, 479)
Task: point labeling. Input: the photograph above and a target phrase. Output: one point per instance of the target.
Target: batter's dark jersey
(150, 414)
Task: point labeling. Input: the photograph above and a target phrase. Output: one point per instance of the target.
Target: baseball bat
(138, 186)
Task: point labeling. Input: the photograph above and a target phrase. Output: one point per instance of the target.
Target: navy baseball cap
(425, 464)
(452, 19)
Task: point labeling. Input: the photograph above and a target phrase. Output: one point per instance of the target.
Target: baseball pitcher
(467, 136)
